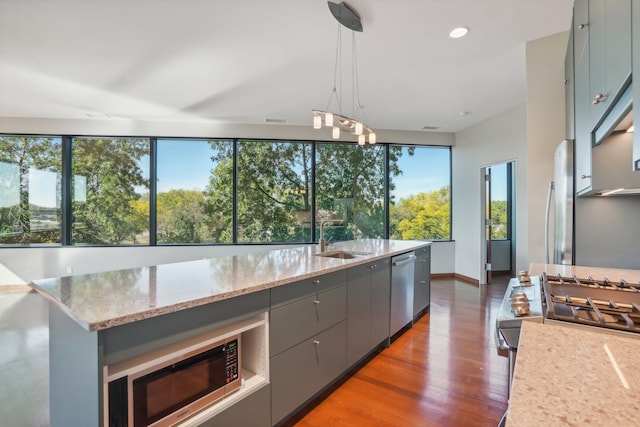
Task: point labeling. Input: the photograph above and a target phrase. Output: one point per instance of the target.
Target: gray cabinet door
(302, 371)
(368, 307)
(582, 95)
(568, 89)
(380, 301)
(254, 410)
(358, 313)
(610, 52)
(422, 284)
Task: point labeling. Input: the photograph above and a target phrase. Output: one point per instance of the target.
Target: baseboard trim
(456, 276)
(16, 289)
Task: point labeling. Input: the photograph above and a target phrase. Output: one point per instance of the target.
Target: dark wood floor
(445, 371)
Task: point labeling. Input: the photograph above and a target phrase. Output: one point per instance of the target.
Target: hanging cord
(337, 68)
(355, 81)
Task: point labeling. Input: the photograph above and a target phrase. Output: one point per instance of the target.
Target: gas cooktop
(604, 303)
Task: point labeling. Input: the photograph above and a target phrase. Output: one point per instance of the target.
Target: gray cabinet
(568, 89)
(609, 53)
(300, 372)
(635, 16)
(582, 96)
(422, 281)
(368, 307)
(253, 410)
(307, 340)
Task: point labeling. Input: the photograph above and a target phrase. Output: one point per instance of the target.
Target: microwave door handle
(546, 219)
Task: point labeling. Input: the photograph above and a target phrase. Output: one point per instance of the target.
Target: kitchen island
(103, 321)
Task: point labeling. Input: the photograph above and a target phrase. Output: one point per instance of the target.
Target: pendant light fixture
(337, 121)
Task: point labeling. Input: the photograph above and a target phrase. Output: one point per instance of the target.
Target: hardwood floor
(445, 371)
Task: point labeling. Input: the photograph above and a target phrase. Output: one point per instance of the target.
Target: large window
(350, 182)
(30, 189)
(419, 193)
(110, 191)
(195, 191)
(274, 191)
(218, 191)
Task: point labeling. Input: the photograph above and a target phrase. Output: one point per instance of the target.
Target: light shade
(336, 132)
(317, 121)
(328, 119)
(361, 139)
(358, 129)
(372, 138)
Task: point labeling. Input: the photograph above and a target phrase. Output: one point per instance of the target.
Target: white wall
(528, 134)
(545, 129)
(499, 139)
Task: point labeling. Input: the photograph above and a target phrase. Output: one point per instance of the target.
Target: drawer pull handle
(601, 97)
(585, 176)
(424, 282)
(316, 282)
(316, 342)
(316, 301)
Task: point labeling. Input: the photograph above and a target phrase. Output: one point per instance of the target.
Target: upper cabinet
(582, 95)
(609, 53)
(568, 89)
(601, 36)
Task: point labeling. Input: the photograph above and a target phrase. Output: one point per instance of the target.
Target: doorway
(498, 219)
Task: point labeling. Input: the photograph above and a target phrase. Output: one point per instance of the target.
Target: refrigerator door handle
(546, 219)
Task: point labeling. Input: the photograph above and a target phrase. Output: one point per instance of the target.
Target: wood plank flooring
(445, 371)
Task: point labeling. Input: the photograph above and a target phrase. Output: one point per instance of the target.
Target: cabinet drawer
(304, 288)
(292, 323)
(253, 410)
(300, 372)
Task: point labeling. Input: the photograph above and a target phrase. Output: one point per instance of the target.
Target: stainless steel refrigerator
(560, 204)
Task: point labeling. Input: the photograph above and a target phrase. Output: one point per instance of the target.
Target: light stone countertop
(564, 376)
(104, 300)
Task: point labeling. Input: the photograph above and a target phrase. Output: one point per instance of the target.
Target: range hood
(612, 171)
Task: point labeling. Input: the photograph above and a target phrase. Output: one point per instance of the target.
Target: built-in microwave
(172, 390)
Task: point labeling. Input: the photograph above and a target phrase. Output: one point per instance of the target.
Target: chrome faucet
(324, 243)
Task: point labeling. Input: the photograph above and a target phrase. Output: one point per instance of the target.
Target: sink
(343, 254)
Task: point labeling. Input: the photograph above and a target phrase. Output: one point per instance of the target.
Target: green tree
(350, 182)
(110, 169)
(274, 190)
(181, 217)
(18, 155)
(424, 216)
(499, 219)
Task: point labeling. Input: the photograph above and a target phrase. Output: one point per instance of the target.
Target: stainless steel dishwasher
(402, 274)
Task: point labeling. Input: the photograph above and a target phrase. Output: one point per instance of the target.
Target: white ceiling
(243, 61)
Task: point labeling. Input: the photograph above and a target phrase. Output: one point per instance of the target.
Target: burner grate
(590, 281)
(614, 305)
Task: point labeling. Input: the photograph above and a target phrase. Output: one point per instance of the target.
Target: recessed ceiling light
(456, 33)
